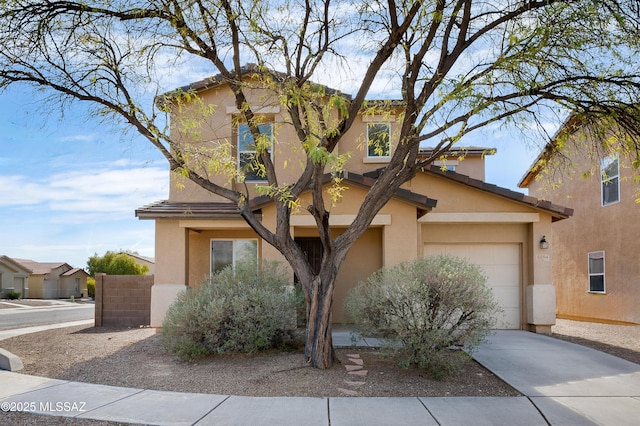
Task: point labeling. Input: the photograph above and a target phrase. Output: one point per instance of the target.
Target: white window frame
(378, 157)
(597, 274)
(234, 252)
(239, 133)
(448, 164)
(606, 180)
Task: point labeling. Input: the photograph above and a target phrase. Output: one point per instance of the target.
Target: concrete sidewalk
(562, 384)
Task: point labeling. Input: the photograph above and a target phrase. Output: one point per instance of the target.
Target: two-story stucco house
(447, 208)
(596, 262)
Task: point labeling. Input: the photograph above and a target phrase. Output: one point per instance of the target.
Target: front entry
(312, 248)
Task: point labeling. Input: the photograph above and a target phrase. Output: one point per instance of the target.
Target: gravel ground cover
(620, 340)
(134, 357)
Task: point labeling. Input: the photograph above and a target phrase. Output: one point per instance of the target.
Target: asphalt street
(60, 312)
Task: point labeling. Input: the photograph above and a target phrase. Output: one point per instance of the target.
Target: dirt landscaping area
(135, 358)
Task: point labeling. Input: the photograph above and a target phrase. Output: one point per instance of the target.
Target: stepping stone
(353, 355)
(356, 361)
(348, 392)
(353, 367)
(359, 372)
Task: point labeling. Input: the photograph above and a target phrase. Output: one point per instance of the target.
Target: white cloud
(80, 137)
(88, 193)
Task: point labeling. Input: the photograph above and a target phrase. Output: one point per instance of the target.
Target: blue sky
(68, 188)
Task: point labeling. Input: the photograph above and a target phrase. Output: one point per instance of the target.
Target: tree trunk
(319, 351)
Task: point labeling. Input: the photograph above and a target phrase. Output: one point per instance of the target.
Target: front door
(312, 248)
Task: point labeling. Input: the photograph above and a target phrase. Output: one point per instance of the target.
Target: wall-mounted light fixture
(544, 244)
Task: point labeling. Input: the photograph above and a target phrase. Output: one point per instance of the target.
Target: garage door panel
(511, 317)
(505, 254)
(482, 257)
(501, 264)
(508, 297)
(453, 250)
(502, 275)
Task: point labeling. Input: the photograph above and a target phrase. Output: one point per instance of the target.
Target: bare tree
(458, 65)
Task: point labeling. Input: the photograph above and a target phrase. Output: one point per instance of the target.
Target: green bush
(424, 309)
(91, 288)
(13, 295)
(245, 310)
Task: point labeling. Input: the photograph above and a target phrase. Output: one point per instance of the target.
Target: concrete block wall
(123, 300)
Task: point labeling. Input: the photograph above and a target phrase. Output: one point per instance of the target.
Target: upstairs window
(610, 179)
(378, 140)
(249, 164)
(596, 272)
(226, 253)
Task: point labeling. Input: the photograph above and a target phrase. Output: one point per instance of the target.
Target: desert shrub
(91, 288)
(424, 309)
(13, 295)
(243, 310)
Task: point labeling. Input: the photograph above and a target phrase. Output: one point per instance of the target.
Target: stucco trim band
(482, 217)
(338, 220)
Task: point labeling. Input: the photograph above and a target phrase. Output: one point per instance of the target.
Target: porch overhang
(186, 211)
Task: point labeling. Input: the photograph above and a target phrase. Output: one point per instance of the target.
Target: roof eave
(557, 212)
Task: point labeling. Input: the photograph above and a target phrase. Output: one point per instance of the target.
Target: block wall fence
(123, 300)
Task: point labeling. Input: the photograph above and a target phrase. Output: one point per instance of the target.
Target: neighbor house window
(610, 175)
(248, 162)
(596, 272)
(229, 252)
(378, 140)
(446, 165)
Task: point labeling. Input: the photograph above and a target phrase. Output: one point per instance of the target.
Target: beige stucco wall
(218, 129)
(200, 250)
(171, 253)
(365, 257)
(613, 228)
(216, 126)
(463, 215)
(36, 284)
(14, 278)
(68, 285)
(466, 215)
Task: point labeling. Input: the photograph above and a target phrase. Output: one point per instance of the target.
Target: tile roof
(13, 263)
(226, 210)
(40, 268)
(183, 210)
(558, 212)
(421, 201)
(245, 70)
(73, 271)
(467, 151)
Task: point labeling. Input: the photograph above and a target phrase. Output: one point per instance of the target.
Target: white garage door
(501, 264)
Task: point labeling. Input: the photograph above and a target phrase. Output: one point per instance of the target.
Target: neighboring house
(439, 211)
(14, 277)
(596, 263)
(54, 280)
(149, 262)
